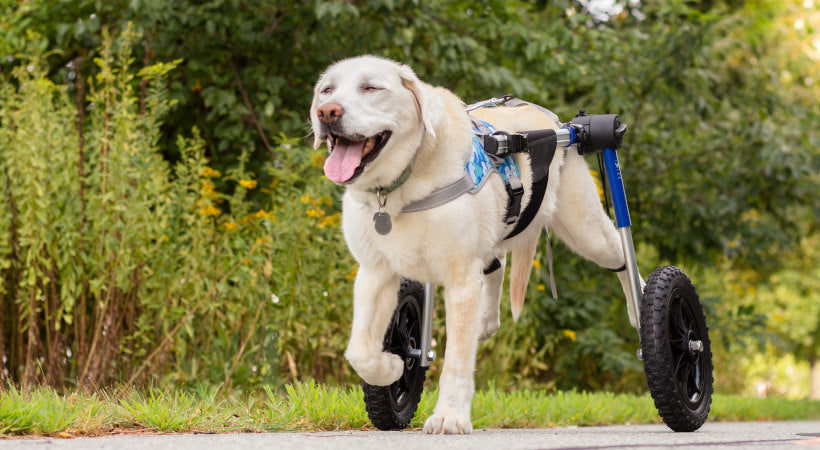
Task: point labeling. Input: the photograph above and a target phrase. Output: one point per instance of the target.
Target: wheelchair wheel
(676, 349)
(392, 407)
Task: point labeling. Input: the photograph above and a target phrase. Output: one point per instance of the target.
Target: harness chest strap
(441, 196)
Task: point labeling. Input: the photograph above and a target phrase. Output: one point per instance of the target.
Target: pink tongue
(343, 161)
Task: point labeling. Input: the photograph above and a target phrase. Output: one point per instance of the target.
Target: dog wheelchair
(669, 319)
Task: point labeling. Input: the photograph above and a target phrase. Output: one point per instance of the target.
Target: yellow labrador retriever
(393, 140)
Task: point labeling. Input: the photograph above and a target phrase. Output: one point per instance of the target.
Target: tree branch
(250, 108)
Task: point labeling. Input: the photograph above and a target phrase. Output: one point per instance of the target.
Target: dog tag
(382, 222)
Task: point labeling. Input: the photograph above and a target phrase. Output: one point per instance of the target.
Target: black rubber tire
(679, 377)
(392, 407)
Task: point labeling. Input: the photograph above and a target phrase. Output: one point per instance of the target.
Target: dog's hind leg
(374, 300)
(491, 298)
(581, 222)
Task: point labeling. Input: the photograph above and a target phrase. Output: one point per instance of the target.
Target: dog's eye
(369, 88)
(327, 90)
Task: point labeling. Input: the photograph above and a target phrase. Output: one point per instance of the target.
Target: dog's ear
(429, 105)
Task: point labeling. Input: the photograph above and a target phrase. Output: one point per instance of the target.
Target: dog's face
(373, 114)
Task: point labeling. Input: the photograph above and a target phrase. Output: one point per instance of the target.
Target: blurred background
(164, 218)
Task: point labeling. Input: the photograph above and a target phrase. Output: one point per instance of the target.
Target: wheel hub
(410, 360)
(695, 346)
(687, 348)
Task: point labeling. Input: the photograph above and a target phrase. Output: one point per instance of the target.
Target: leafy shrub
(118, 265)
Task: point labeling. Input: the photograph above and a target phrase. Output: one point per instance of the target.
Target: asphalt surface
(752, 435)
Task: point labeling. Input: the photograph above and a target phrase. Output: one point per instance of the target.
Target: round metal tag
(382, 223)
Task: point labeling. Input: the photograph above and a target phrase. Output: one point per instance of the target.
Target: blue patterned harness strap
(482, 164)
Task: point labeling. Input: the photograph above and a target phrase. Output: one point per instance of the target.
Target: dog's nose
(330, 113)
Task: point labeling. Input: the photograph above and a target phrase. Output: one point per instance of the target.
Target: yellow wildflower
(315, 212)
(536, 263)
(262, 214)
(207, 172)
(209, 211)
(306, 199)
(318, 160)
(541, 287)
(249, 184)
(229, 225)
(595, 177)
(568, 333)
(351, 274)
(330, 220)
(207, 188)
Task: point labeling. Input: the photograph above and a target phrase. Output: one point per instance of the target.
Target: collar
(394, 185)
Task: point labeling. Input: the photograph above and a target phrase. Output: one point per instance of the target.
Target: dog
(393, 140)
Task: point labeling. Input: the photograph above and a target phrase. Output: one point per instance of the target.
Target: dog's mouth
(349, 155)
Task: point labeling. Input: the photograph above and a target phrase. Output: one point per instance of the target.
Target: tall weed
(118, 265)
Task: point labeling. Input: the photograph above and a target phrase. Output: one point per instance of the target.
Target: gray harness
(463, 185)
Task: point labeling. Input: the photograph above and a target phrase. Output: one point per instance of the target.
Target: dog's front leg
(456, 384)
(374, 299)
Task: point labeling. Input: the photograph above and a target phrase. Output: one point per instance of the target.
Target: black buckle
(503, 144)
(514, 195)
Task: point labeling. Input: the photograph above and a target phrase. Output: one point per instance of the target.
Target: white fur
(452, 244)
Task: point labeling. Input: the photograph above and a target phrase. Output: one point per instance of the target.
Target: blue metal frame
(624, 224)
(616, 188)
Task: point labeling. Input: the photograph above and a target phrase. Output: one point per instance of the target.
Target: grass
(312, 407)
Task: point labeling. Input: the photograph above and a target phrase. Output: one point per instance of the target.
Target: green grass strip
(310, 407)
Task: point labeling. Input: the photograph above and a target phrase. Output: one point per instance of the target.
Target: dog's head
(373, 114)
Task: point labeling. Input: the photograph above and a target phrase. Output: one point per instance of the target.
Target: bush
(117, 265)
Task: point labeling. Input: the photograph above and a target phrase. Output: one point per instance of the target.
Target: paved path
(752, 435)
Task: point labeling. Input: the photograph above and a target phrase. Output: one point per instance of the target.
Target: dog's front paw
(448, 422)
(377, 369)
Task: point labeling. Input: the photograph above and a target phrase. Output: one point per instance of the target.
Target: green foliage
(118, 266)
(736, 408)
(308, 406)
(126, 254)
(785, 310)
(42, 411)
(176, 411)
(696, 86)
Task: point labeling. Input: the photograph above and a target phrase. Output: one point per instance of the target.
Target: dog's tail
(520, 269)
